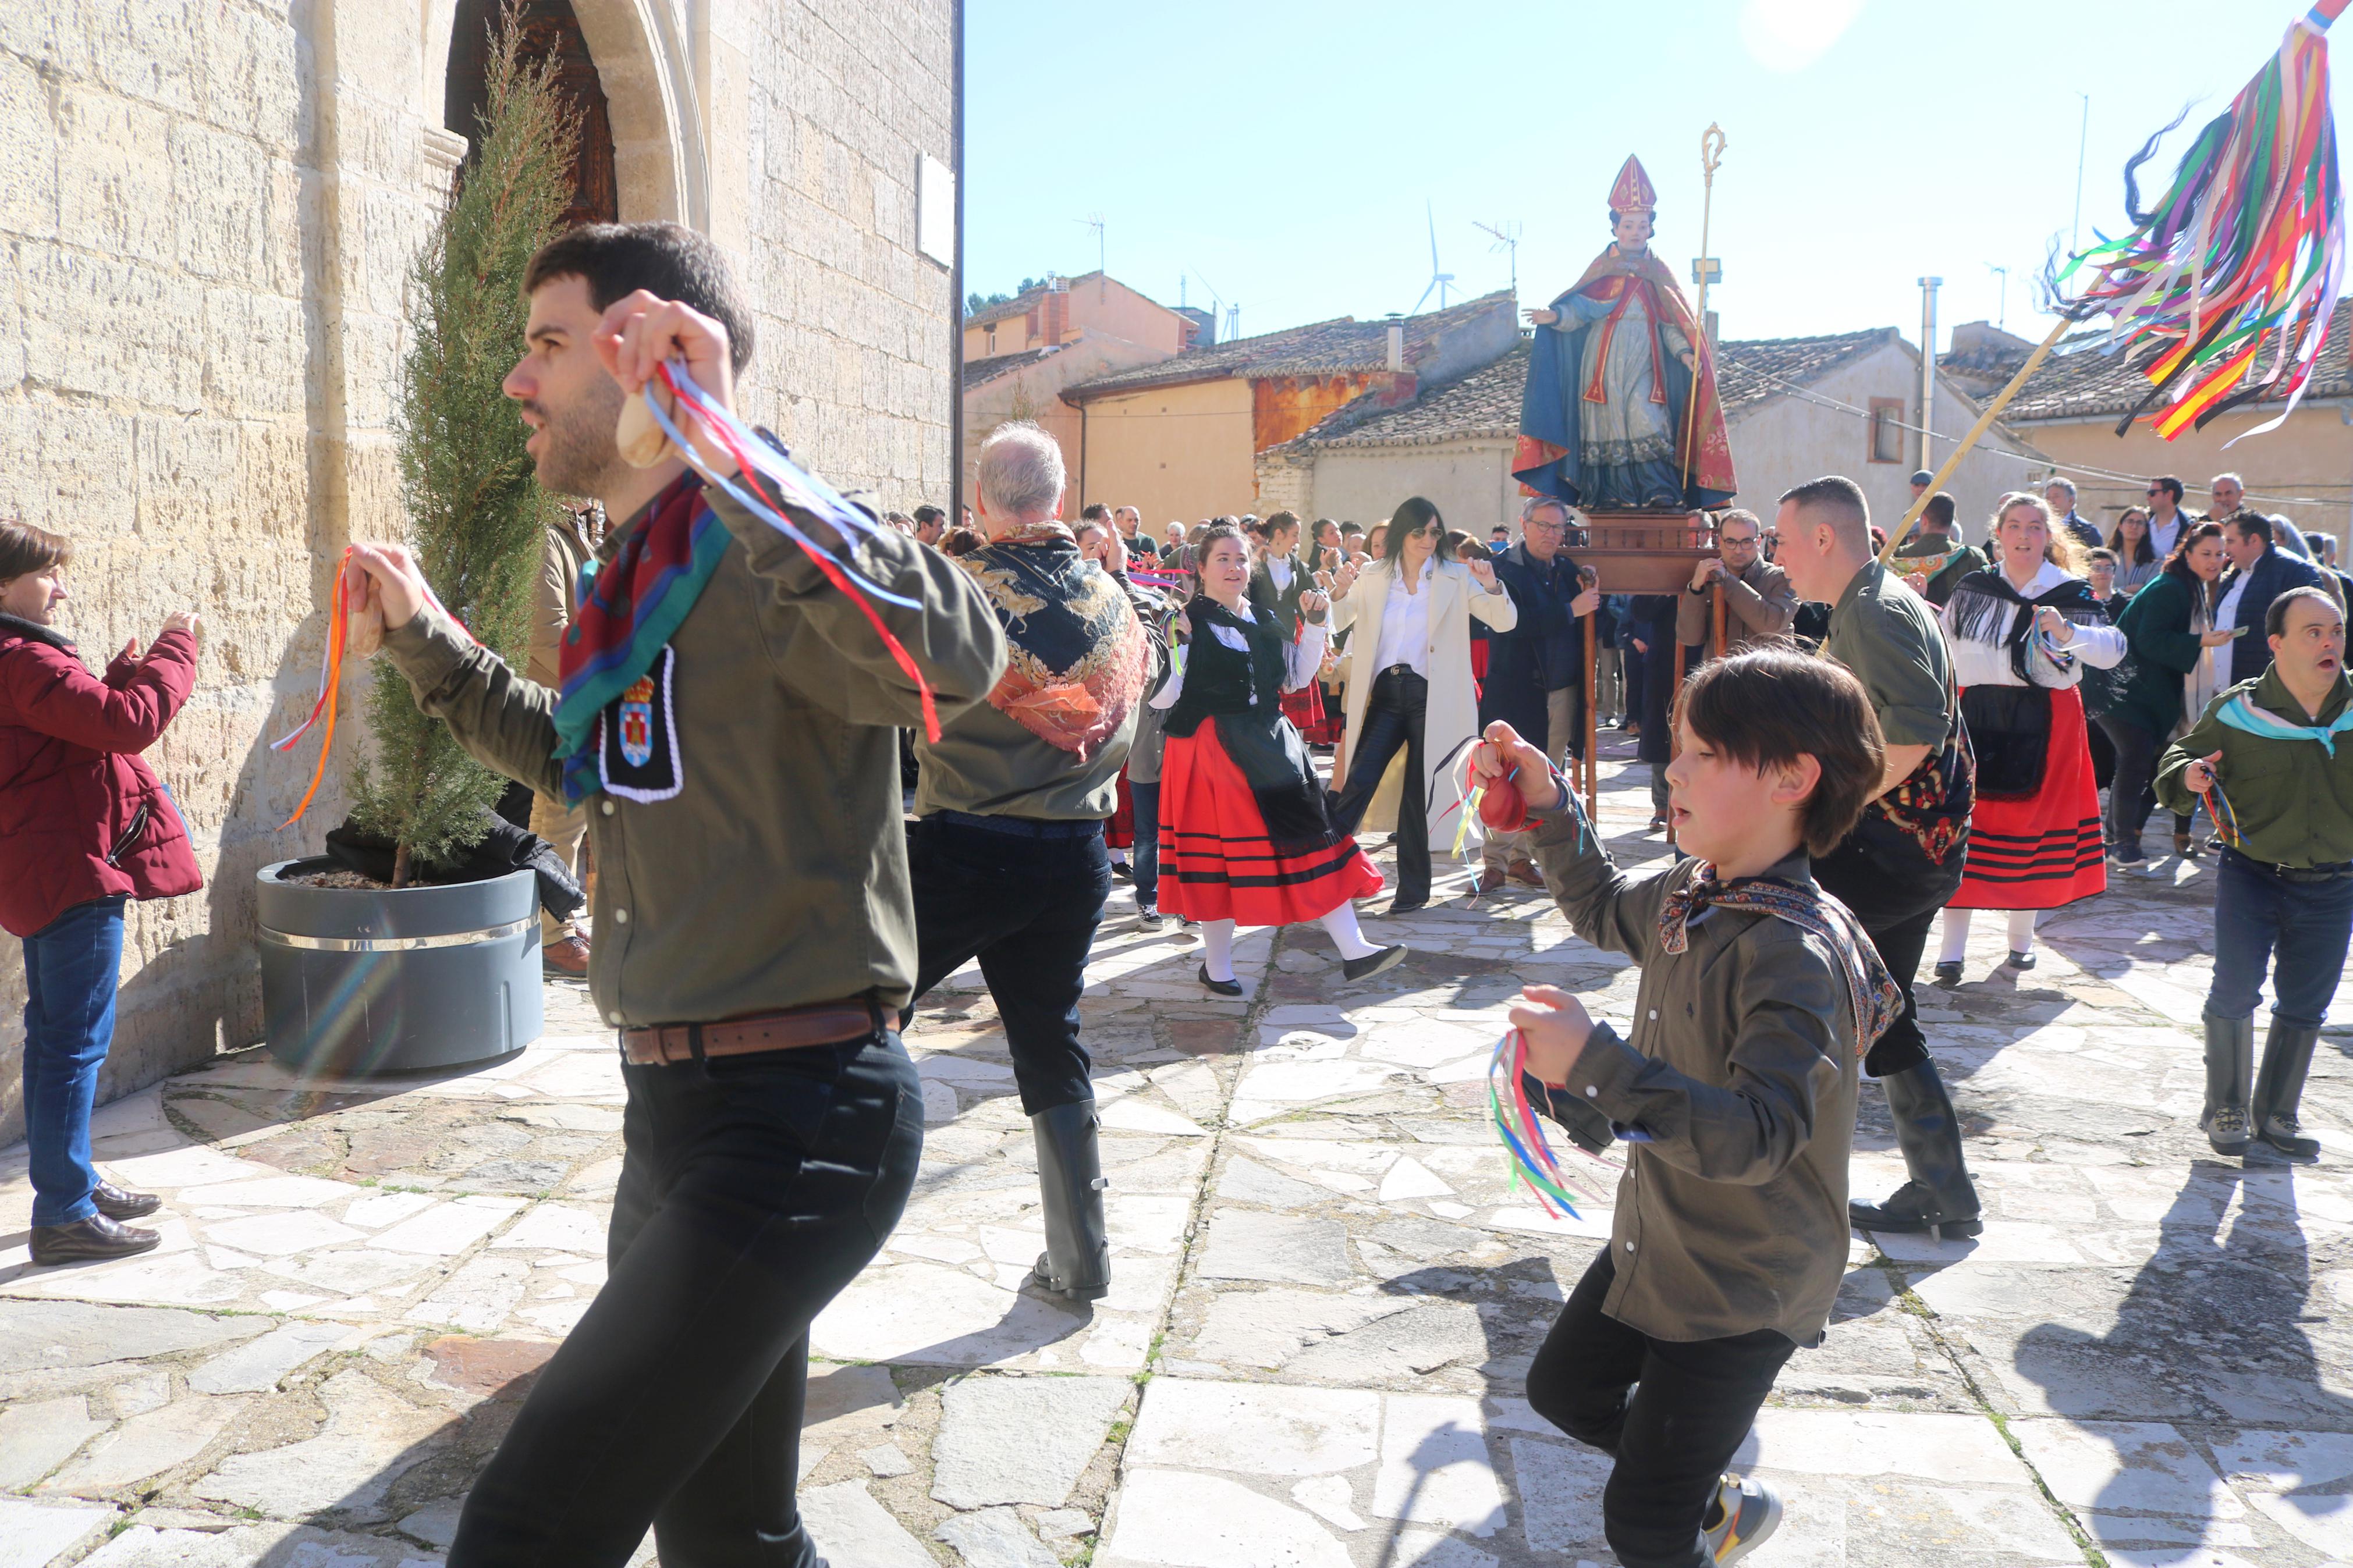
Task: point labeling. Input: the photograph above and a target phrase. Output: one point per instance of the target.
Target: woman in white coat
(1411, 703)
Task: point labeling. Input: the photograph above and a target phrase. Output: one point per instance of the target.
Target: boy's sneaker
(1147, 917)
(1748, 1513)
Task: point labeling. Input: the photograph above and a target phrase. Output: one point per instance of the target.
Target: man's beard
(579, 455)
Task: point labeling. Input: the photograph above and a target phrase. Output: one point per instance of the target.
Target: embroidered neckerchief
(1985, 609)
(1076, 655)
(1870, 987)
(629, 609)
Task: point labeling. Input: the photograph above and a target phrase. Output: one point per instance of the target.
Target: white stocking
(1957, 936)
(2021, 930)
(1340, 925)
(1217, 949)
(1119, 856)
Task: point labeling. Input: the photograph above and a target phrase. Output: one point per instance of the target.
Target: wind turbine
(1507, 238)
(1437, 280)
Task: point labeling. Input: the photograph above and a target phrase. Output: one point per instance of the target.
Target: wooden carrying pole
(1902, 530)
(1589, 765)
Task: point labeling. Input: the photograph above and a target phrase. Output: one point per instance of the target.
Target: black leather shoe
(2022, 960)
(1949, 974)
(1222, 988)
(1402, 908)
(1373, 964)
(115, 1204)
(89, 1240)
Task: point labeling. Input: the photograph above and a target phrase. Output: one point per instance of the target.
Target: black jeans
(1144, 858)
(1393, 719)
(754, 1188)
(1690, 1405)
(1024, 897)
(2131, 797)
(1897, 911)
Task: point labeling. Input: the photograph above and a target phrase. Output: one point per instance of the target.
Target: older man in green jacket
(2273, 759)
(730, 719)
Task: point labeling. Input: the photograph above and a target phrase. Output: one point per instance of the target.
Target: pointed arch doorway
(550, 29)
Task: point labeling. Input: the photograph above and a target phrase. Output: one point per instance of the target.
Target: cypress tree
(474, 511)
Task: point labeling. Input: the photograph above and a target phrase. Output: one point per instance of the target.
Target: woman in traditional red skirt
(1246, 835)
(2022, 633)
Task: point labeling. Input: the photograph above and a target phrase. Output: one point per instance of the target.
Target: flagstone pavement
(1327, 1291)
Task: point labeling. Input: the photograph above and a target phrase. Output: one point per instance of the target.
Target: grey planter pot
(357, 982)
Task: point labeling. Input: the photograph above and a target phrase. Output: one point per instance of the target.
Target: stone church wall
(209, 212)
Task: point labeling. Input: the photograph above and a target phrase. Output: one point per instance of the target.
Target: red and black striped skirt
(2044, 850)
(1217, 862)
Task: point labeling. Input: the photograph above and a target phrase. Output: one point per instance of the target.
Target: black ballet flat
(1373, 964)
(1949, 974)
(1221, 987)
(2022, 960)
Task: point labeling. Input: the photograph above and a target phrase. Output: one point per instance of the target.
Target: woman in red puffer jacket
(84, 827)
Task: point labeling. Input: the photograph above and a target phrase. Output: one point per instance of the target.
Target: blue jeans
(1145, 857)
(1024, 897)
(2258, 915)
(71, 966)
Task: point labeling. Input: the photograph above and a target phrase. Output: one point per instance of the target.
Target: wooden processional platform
(1639, 553)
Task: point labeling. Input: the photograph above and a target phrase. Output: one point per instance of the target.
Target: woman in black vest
(1246, 837)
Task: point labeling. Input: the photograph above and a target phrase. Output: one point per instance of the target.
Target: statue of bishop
(1607, 421)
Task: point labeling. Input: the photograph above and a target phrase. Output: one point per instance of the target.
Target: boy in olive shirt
(2274, 757)
(1736, 1093)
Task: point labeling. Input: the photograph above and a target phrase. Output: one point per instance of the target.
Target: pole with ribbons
(2240, 256)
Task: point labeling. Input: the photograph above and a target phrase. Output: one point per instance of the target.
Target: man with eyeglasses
(2165, 515)
(1758, 603)
(1535, 671)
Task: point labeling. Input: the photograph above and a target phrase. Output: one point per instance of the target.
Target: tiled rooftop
(2086, 383)
(1321, 348)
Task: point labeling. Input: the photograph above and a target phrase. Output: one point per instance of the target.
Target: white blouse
(1979, 663)
(1301, 659)
(1405, 625)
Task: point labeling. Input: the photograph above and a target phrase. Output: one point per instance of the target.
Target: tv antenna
(1507, 239)
(2001, 316)
(1217, 308)
(1438, 279)
(1103, 277)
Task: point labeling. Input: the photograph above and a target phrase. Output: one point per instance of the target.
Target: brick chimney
(1057, 309)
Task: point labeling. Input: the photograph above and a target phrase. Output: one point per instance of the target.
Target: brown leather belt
(819, 1024)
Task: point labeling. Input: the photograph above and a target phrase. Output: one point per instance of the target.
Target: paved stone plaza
(1327, 1291)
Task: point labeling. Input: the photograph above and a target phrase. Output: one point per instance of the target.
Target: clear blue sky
(1283, 151)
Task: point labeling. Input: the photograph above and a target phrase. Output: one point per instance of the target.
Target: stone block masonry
(208, 216)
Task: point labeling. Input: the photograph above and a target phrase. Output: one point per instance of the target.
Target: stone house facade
(210, 212)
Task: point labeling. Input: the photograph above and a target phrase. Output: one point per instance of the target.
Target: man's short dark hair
(1939, 510)
(928, 515)
(1770, 706)
(666, 259)
(1837, 500)
(1094, 511)
(2276, 616)
(2169, 485)
(2252, 524)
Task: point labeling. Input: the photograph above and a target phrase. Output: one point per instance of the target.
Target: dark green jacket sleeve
(820, 642)
(502, 720)
(2157, 625)
(2201, 740)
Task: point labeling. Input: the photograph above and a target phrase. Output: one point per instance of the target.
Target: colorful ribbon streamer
(2244, 253)
(754, 456)
(1533, 1165)
(331, 679)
